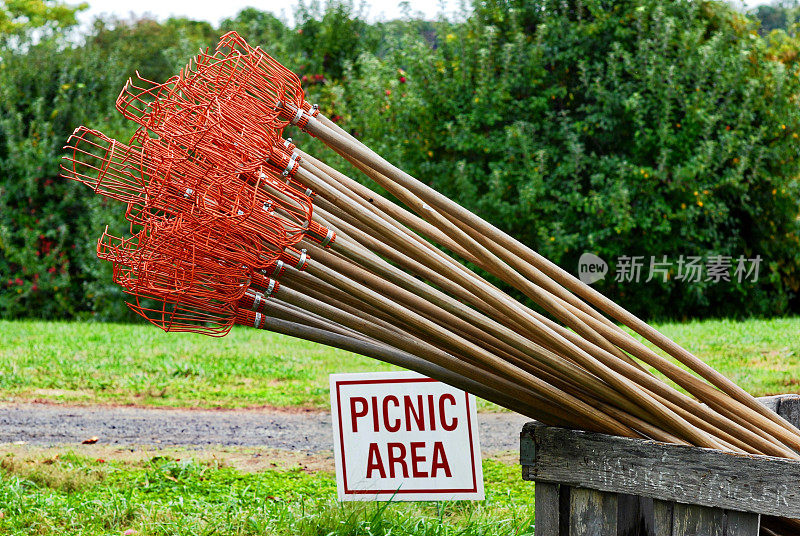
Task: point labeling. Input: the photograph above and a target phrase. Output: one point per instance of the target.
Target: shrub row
(634, 128)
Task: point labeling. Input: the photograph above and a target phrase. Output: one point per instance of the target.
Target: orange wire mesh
(177, 289)
(185, 315)
(179, 275)
(176, 256)
(198, 114)
(108, 167)
(210, 189)
(157, 179)
(271, 81)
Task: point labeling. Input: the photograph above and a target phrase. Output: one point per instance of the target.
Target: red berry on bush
(402, 79)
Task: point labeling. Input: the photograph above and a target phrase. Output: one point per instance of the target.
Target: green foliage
(632, 127)
(47, 224)
(778, 15)
(41, 217)
(619, 128)
(259, 28)
(332, 37)
(20, 18)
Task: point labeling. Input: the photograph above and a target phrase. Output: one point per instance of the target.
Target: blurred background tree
(779, 15)
(632, 127)
(20, 20)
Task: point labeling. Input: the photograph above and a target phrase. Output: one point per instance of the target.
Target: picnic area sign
(405, 437)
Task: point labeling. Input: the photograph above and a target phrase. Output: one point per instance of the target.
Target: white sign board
(404, 437)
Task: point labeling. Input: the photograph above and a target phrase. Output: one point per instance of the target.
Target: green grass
(211, 493)
(160, 495)
(139, 364)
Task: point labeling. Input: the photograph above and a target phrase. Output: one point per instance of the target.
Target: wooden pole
(300, 329)
(518, 255)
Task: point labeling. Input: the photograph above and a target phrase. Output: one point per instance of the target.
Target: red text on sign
(416, 413)
(401, 460)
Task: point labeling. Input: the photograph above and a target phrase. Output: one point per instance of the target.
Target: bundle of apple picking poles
(233, 224)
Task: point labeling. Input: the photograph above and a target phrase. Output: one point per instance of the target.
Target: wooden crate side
(546, 508)
(705, 477)
(592, 513)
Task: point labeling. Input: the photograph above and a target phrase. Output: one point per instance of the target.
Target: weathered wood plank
(741, 523)
(691, 520)
(546, 509)
(662, 517)
(789, 408)
(634, 515)
(771, 402)
(592, 513)
(634, 469)
(692, 475)
(564, 495)
(527, 449)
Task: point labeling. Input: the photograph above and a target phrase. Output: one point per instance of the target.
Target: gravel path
(50, 424)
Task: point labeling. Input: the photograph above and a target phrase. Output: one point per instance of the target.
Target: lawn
(47, 491)
(89, 363)
(92, 490)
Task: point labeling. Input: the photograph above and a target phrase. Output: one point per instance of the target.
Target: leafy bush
(634, 127)
(47, 224)
(620, 128)
(48, 266)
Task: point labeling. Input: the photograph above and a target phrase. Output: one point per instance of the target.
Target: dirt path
(51, 424)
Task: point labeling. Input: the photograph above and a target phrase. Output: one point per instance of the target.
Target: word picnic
(412, 415)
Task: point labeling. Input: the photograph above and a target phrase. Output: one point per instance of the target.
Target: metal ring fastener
(328, 238)
(256, 301)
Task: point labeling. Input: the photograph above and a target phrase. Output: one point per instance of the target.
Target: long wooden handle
(405, 360)
(518, 255)
(686, 402)
(422, 349)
